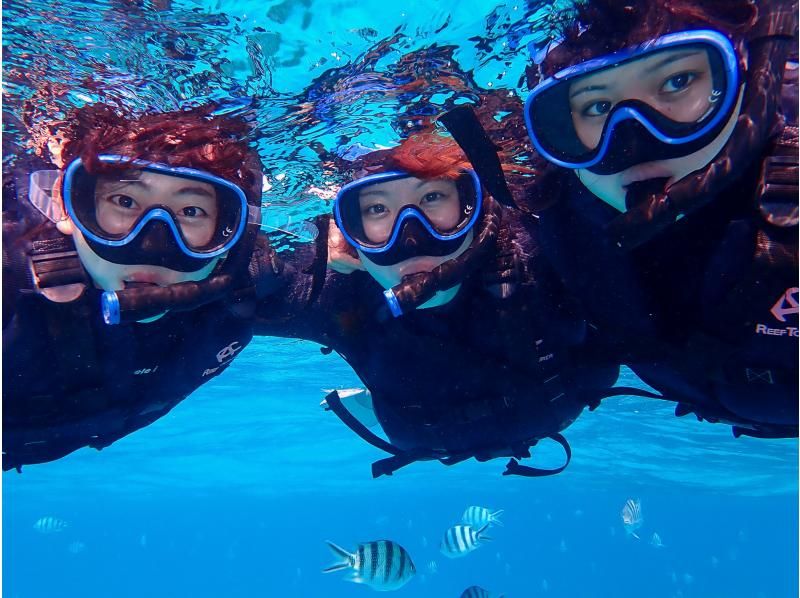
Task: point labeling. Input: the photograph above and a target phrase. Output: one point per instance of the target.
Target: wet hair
(194, 138)
(431, 155)
(425, 155)
(605, 26)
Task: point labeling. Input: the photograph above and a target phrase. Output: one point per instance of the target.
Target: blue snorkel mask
(410, 231)
(127, 233)
(575, 121)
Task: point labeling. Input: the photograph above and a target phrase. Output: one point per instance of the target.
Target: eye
(123, 201)
(193, 212)
(432, 196)
(375, 209)
(678, 82)
(600, 108)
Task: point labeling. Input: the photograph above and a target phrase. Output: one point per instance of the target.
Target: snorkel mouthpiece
(393, 303)
(134, 305)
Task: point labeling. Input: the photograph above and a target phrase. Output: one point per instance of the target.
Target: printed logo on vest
(143, 371)
(786, 305)
(229, 352)
(754, 375)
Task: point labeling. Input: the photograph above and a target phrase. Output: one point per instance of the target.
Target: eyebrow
(366, 192)
(587, 89)
(660, 64)
(187, 190)
(674, 58)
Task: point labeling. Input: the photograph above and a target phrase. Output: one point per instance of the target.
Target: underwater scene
(230, 474)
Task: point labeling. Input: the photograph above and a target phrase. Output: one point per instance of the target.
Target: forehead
(622, 73)
(400, 186)
(154, 182)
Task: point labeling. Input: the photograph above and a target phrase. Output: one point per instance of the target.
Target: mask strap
(40, 194)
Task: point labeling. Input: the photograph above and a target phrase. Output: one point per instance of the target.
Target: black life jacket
(70, 380)
(487, 375)
(706, 313)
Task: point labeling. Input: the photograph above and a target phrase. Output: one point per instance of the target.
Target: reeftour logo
(786, 305)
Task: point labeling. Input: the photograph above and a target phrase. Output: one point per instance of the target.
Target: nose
(410, 243)
(155, 238)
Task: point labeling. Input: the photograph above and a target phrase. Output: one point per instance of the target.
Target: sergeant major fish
(383, 565)
(50, 525)
(477, 592)
(632, 516)
(477, 517)
(460, 540)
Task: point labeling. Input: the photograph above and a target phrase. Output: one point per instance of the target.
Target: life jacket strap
(514, 468)
(776, 195)
(334, 403)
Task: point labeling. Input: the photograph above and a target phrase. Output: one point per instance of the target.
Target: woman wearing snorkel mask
(125, 275)
(466, 349)
(670, 206)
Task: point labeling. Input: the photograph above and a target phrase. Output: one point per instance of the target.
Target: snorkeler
(457, 327)
(671, 129)
(125, 276)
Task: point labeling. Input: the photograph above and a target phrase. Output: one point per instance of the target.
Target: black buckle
(58, 275)
(777, 190)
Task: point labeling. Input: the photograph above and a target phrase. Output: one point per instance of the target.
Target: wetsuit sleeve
(296, 308)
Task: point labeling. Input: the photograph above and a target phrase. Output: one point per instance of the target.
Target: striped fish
(632, 516)
(50, 525)
(477, 517)
(477, 592)
(460, 540)
(382, 565)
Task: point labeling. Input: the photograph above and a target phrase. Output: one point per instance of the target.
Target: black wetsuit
(479, 376)
(69, 380)
(706, 312)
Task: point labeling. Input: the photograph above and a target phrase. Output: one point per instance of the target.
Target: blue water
(236, 490)
(234, 493)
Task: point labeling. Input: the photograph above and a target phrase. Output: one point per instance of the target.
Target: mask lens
(675, 90)
(113, 206)
(371, 210)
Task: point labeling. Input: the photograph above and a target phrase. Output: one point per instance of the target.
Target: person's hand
(340, 253)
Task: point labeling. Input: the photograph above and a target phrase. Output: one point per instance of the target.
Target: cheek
(588, 132)
(198, 235)
(693, 106)
(377, 231)
(450, 214)
(111, 220)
